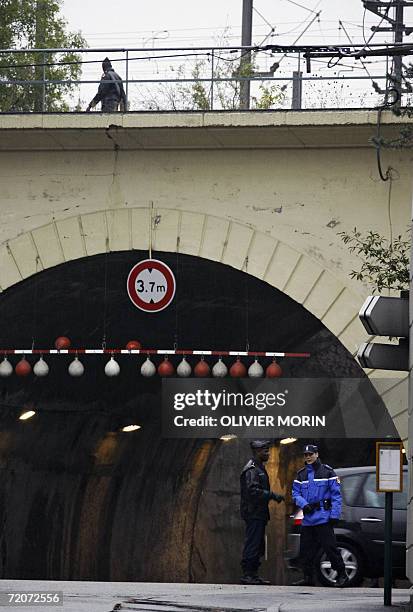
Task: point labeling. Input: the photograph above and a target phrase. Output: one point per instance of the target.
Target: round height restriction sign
(151, 285)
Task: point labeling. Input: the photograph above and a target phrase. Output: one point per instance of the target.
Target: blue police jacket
(319, 485)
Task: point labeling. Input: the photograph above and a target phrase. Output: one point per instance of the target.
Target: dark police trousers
(254, 546)
(313, 537)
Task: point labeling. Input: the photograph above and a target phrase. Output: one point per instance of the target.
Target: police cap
(310, 448)
(257, 444)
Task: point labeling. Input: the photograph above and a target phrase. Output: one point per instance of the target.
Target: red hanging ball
(166, 368)
(62, 343)
(238, 369)
(202, 369)
(273, 370)
(23, 368)
(133, 345)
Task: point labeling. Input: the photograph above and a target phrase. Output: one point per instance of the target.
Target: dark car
(360, 532)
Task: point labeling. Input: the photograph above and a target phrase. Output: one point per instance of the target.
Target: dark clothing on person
(255, 491)
(312, 539)
(254, 546)
(110, 92)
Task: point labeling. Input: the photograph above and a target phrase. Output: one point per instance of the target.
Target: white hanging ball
(112, 368)
(6, 369)
(184, 369)
(41, 368)
(76, 368)
(255, 370)
(220, 369)
(148, 368)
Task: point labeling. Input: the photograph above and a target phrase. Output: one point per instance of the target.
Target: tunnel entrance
(81, 500)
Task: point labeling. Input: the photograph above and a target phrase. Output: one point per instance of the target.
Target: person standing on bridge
(316, 490)
(110, 92)
(255, 496)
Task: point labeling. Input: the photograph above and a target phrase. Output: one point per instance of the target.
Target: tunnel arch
(219, 239)
(92, 510)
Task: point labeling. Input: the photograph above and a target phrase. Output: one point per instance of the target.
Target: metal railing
(188, 79)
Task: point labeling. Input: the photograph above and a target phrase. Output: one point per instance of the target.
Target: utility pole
(382, 9)
(245, 62)
(397, 60)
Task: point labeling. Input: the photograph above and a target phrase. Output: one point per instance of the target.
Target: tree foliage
(198, 95)
(385, 263)
(36, 24)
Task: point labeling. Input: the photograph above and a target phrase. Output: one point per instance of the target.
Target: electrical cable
(302, 6)
(302, 33)
(377, 139)
(262, 17)
(351, 42)
(367, 42)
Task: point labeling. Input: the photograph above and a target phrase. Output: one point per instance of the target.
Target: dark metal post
(388, 524)
(245, 62)
(211, 104)
(44, 84)
(398, 59)
(127, 81)
(297, 90)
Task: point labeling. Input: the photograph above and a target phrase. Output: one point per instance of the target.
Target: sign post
(389, 480)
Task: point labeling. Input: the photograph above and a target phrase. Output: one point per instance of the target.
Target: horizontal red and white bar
(142, 351)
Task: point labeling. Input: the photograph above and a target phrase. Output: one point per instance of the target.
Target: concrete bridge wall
(263, 192)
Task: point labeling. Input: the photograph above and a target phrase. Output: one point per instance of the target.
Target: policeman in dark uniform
(255, 495)
(316, 490)
(110, 91)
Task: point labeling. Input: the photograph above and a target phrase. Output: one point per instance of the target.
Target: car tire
(353, 561)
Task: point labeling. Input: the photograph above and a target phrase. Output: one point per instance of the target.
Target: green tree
(384, 263)
(36, 24)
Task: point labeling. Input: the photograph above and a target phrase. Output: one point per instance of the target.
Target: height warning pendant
(151, 285)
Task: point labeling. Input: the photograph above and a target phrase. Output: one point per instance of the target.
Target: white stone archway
(219, 239)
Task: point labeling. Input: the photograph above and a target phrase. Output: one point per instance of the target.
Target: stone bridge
(266, 193)
(260, 192)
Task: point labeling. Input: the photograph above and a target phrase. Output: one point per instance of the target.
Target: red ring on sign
(170, 285)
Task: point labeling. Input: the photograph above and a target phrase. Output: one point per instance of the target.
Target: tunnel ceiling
(215, 307)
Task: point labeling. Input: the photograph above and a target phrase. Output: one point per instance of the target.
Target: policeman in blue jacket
(316, 490)
(255, 496)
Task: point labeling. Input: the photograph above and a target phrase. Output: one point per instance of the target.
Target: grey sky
(189, 22)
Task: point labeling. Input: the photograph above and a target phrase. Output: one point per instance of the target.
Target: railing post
(44, 84)
(127, 80)
(297, 90)
(212, 81)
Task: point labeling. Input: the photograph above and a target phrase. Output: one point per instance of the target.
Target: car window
(372, 499)
(349, 488)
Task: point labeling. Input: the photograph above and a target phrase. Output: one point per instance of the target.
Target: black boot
(342, 579)
(308, 580)
(261, 580)
(250, 580)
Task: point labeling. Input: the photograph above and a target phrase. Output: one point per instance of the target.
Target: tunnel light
(131, 427)
(288, 440)
(228, 437)
(26, 415)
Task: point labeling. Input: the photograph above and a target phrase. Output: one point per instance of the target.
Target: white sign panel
(389, 468)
